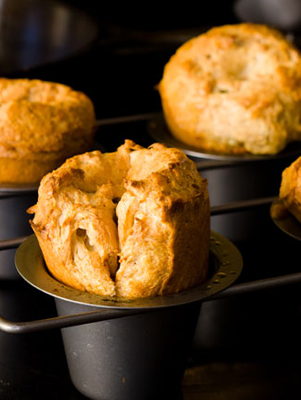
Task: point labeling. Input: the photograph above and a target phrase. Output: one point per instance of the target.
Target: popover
(129, 224)
(41, 125)
(235, 89)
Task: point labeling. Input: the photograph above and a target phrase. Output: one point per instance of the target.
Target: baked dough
(235, 89)
(41, 124)
(290, 188)
(132, 223)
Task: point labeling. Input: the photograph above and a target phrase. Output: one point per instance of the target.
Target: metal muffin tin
(121, 349)
(138, 348)
(114, 347)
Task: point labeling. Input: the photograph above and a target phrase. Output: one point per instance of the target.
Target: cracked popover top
(129, 224)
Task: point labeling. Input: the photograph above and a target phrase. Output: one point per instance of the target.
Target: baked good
(234, 89)
(132, 223)
(290, 188)
(41, 124)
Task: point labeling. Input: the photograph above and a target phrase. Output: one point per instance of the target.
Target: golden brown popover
(41, 124)
(234, 89)
(132, 223)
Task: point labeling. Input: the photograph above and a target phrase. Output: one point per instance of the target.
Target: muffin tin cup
(137, 357)
(258, 179)
(14, 222)
(140, 352)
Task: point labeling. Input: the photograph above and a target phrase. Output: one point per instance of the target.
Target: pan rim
(288, 223)
(158, 130)
(226, 264)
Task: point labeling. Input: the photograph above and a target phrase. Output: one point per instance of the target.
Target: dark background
(116, 56)
(115, 53)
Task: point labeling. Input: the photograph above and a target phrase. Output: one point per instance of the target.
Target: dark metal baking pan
(218, 309)
(138, 348)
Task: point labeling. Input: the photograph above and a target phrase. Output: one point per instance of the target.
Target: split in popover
(132, 223)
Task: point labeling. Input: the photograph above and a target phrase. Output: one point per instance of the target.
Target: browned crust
(162, 234)
(190, 243)
(41, 124)
(234, 89)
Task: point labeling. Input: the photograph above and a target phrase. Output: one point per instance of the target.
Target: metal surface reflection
(34, 33)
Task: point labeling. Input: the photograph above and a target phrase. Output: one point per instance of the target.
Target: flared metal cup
(137, 356)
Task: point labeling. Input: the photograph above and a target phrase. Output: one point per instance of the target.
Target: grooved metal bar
(124, 119)
(207, 165)
(241, 205)
(254, 286)
(108, 314)
(64, 321)
(12, 243)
